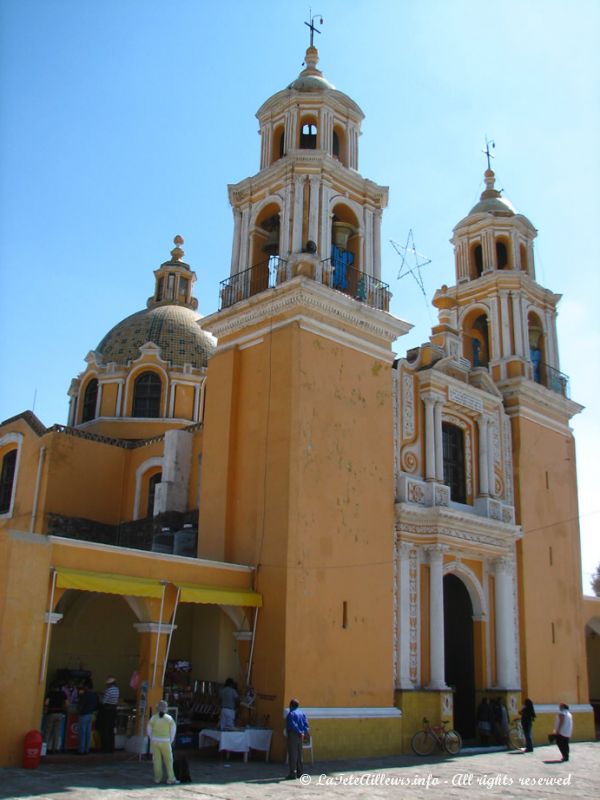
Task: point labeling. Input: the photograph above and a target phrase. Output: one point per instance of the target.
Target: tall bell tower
(504, 322)
(297, 464)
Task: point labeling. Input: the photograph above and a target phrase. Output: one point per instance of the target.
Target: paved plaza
(470, 775)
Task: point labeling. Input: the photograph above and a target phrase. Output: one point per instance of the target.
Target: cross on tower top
(312, 27)
(487, 152)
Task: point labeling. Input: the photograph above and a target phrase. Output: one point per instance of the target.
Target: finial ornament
(177, 253)
(489, 143)
(312, 27)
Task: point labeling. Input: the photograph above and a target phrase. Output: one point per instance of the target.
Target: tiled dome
(173, 328)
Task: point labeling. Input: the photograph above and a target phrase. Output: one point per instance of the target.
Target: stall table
(238, 741)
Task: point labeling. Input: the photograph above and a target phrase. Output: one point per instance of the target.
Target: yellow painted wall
(326, 521)
(549, 565)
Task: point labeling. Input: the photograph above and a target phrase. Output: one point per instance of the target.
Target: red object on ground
(72, 732)
(32, 750)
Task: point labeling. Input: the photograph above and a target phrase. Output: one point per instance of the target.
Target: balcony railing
(330, 272)
(551, 378)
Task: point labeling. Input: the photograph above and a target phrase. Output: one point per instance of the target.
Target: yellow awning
(221, 595)
(108, 583)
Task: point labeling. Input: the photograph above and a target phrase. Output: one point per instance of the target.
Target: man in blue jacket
(296, 728)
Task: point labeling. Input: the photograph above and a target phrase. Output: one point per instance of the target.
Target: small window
(170, 285)
(159, 288)
(146, 395)
(336, 145)
(90, 398)
(7, 477)
(454, 461)
(282, 144)
(183, 288)
(152, 483)
(308, 136)
(523, 256)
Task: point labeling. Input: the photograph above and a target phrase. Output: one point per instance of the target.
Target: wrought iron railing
(357, 284)
(551, 378)
(251, 281)
(331, 272)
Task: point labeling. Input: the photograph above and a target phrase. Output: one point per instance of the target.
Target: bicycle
(424, 742)
(516, 737)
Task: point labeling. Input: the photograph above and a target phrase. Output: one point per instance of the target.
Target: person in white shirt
(161, 730)
(563, 728)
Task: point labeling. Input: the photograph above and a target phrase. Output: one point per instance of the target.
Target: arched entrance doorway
(459, 653)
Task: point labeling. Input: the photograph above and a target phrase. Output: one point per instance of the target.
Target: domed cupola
(137, 370)
(493, 236)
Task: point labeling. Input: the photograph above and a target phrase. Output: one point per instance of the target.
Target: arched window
(154, 480)
(7, 478)
(501, 255)
(90, 398)
(146, 395)
(308, 136)
(453, 441)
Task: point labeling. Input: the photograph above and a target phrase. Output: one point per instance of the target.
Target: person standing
(485, 718)
(229, 699)
(55, 706)
(296, 727)
(527, 716)
(161, 730)
(108, 717)
(87, 704)
(563, 728)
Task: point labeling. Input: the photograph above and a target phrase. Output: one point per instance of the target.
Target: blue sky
(123, 121)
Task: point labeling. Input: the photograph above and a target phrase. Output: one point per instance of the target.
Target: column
(506, 640)
(297, 229)
(483, 456)
(493, 333)
(377, 244)
(439, 443)
(403, 680)
(505, 328)
(436, 618)
(235, 247)
(429, 439)
(517, 326)
(98, 409)
(491, 459)
(242, 263)
(313, 214)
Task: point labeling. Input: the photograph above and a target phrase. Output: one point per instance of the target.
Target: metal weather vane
(487, 152)
(409, 253)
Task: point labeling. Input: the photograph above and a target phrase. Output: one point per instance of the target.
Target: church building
(270, 493)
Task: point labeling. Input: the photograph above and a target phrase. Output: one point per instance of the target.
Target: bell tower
(499, 320)
(297, 465)
(308, 197)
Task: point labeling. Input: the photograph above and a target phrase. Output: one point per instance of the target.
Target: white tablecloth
(238, 741)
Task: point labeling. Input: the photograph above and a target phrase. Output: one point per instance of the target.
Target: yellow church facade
(270, 493)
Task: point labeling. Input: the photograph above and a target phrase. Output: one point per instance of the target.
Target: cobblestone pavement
(470, 775)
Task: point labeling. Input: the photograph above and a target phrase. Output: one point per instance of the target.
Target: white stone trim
(154, 627)
(156, 461)
(14, 437)
(373, 712)
(110, 548)
(52, 617)
(472, 585)
(552, 708)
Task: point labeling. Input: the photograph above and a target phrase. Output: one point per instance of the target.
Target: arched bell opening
(502, 254)
(278, 143)
(345, 252)
(537, 347)
(265, 247)
(308, 133)
(475, 261)
(476, 339)
(339, 145)
(459, 653)
(523, 258)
